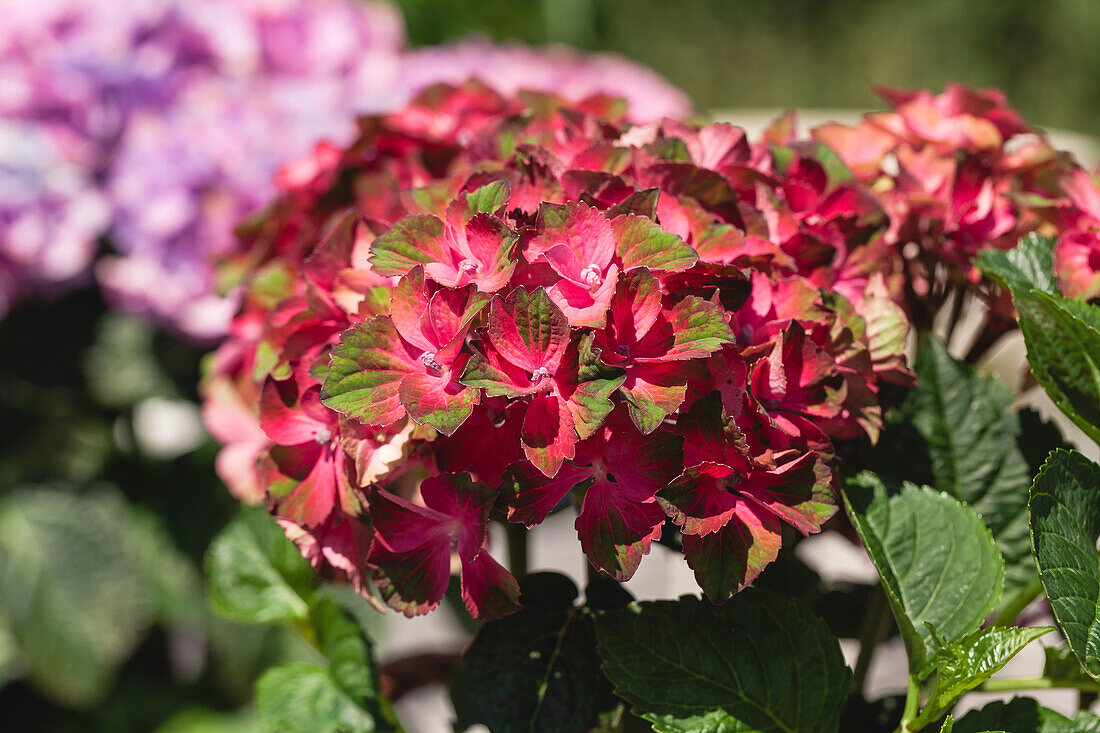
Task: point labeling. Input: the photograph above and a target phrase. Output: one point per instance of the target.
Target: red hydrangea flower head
(493, 309)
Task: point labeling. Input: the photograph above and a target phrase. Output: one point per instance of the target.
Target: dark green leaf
(537, 669)
(971, 433)
(255, 574)
(937, 560)
(759, 663)
(1065, 523)
(1063, 348)
(1024, 715)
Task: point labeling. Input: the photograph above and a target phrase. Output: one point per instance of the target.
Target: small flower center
(428, 359)
(591, 277)
(733, 481)
(323, 436)
(623, 351)
(468, 266)
(539, 374)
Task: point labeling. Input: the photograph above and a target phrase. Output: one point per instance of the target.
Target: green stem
(870, 633)
(1038, 683)
(517, 549)
(1019, 602)
(912, 703)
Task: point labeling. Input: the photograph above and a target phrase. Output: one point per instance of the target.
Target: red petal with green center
(641, 242)
(412, 582)
(692, 329)
(615, 531)
(496, 375)
(728, 560)
(365, 374)
(702, 498)
(466, 504)
(548, 434)
(583, 306)
(578, 229)
(408, 308)
(489, 591)
(532, 496)
(586, 384)
(529, 330)
(653, 392)
(486, 444)
(302, 481)
(800, 493)
(634, 309)
(415, 240)
(438, 399)
(289, 421)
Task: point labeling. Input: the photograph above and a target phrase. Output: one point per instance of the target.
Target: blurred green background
(102, 621)
(816, 53)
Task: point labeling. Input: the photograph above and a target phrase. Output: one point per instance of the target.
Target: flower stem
(1038, 683)
(912, 704)
(1019, 602)
(870, 633)
(517, 549)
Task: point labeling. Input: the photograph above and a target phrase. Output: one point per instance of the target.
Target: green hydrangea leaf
(342, 697)
(937, 561)
(963, 665)
(761, 662)
(538, 669)
(1029, 265)
(971, 434)
(1063, 348)
(255, 574)
(1024, 715)
(1065, 524)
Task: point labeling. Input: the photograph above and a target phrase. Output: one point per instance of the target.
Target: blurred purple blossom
(160, 123)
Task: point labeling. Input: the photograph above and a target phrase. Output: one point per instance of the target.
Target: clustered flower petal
(491, 307)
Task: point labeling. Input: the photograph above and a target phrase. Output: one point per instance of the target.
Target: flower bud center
(468, 266)
(539, 374)
(323, 436)
(428, 359)
(591, 277)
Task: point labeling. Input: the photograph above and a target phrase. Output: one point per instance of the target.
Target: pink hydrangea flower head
(645, 324)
